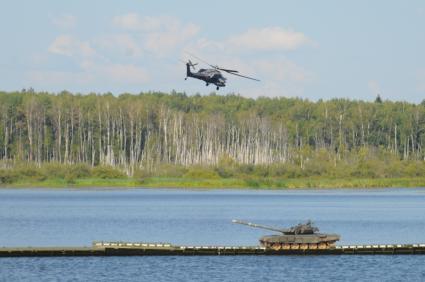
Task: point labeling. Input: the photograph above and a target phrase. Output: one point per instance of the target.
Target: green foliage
(82, 171)
(198, 172)
(252, 183)
(245, 169)
(282, 176)
(107, 172)
(414, 169)
(7, 176)
(394, 169)
(226, 166)
(169, 170)
(224, 172)
(70, 178)
(55, 170)
(30, 172)
(286, 171)
(141, 174)
(277, 142)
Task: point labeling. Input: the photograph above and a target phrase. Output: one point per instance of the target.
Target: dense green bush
(106, 172)
(54, 170)
(7, 176)
(80, 170)
(142, 174)
(76, 171)
(224, 172)
(169, 170)
(414, 169)
(198, 172)
(318, 169)
(226, 167)
(31, 172)
(246, 169)
(252, 183)
(394, 169)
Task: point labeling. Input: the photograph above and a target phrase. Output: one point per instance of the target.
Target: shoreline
(224, 183)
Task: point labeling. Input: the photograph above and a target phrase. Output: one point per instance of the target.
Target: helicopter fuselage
(210, 76)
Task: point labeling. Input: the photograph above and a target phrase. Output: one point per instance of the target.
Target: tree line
(150, 130)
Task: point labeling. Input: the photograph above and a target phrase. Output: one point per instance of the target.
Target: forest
(175, 135)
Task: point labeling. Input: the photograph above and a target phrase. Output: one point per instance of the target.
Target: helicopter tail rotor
(189, 63)
(192, 65)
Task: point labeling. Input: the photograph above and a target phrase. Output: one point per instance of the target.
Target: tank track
(296, 246)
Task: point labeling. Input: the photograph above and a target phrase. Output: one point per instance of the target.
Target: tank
(301, 236)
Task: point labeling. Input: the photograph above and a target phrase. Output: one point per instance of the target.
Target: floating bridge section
(166, 249)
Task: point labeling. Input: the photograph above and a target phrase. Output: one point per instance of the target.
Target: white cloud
(69, 46)
(282, 69)
(279, 77)
(65, 21)
(269, 39)
(112, 60)
(159, 35)
(162, 42)
(254, 41)
(120, 44)
(135, 22)
(130, 21)
(206, 46)
(95, 68)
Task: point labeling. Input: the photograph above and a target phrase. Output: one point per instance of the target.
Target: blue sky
(310, 49)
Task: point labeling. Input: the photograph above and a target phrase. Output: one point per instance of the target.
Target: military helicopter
(212, 75)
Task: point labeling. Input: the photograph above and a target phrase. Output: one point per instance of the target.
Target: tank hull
(300, 241)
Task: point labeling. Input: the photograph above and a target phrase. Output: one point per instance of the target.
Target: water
(37, 217)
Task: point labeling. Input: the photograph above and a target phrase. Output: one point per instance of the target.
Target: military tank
(302, 236)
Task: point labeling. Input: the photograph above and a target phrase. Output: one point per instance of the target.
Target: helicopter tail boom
(188, 72)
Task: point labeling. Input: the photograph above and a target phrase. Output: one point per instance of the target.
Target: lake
(76, 217)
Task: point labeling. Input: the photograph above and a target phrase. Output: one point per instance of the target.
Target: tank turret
(301, 236)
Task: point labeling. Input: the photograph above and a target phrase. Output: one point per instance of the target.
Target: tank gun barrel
(259, 226)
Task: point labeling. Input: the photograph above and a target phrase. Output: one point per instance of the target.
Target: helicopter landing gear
(218, 88)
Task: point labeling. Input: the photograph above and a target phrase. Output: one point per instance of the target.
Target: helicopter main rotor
(216, 67)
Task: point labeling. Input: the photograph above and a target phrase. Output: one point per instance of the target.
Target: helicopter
(212, 75)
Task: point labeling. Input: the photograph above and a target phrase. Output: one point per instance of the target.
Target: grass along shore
(54, 175)
(233, 183)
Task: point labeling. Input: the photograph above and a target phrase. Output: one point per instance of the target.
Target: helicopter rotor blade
(215, 67)
(234, 72)
(190, 63)
(244, 76)
(226, 70)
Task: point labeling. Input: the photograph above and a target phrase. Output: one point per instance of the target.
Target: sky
(309, 49)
